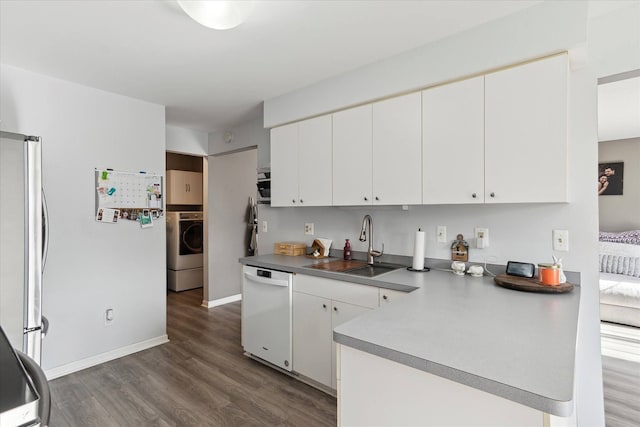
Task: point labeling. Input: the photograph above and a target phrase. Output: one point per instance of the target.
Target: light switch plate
(264, 226)
(441, 234)
(561, 240)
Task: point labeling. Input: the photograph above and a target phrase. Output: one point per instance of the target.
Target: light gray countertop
(517, 345)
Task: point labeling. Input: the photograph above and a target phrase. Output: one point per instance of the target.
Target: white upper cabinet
(453, 143)
(497, 138)
(301, 163)
(526, 133)
(397, 151)
(352, 151)
(284, 165)
(314, 151)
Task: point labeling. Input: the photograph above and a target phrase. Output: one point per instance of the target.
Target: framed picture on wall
(610, 178)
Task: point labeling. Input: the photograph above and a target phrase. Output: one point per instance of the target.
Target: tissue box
(290, 248)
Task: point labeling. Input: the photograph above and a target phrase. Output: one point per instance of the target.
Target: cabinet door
(176, 187)
(389, 295)
(312, 337)
(397, 151)
(341, 312)
(453, 143)
(526, 133)
(284, 165)
(184, 187)
(194, 188)
(314, 154)
(352, 153)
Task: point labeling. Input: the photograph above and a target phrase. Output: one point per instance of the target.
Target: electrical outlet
(108, 317)
(264, 226)
(482, 237)
(561, 240)
(308, 228)
(441, 234)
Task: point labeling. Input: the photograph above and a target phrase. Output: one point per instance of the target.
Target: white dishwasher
(267, 315)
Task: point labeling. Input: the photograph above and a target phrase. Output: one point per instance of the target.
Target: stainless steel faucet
(368, 221)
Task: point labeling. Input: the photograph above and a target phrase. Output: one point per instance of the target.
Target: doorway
(186, 218)
(618, 205)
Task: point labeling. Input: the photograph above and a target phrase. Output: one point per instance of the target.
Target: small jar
(347, 250)
(548, 274)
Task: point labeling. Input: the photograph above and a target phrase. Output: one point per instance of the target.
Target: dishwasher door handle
(264, 281)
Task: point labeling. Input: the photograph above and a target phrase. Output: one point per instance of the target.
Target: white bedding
(620, 258)
(620, 299)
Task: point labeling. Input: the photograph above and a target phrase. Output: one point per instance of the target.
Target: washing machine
(185, 242)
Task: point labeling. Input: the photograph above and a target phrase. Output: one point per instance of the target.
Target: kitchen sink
(371, 270)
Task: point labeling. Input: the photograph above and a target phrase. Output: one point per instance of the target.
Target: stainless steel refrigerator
(24, 230)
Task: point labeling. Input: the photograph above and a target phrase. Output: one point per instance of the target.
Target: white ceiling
(210, 80)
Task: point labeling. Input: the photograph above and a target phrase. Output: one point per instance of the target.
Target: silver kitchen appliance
(23, 247)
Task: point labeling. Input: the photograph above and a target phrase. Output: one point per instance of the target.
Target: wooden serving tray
(530, 285)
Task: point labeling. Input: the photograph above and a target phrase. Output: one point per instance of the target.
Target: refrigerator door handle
(45, 227)
(45, 326)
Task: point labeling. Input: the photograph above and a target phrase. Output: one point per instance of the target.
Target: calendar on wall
(135, 196)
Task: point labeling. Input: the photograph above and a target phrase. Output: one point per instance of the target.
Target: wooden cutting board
(338, 265)
(530, 285)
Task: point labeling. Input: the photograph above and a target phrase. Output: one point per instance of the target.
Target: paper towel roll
(418, 251)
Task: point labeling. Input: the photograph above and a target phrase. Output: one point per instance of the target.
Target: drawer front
(352, 293)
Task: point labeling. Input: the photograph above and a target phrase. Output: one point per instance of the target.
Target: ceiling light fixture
(217, 14)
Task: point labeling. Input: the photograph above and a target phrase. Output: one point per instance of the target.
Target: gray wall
(232, 182)
(186, 141)
(245, 135)
(620, 213)
(92, 266)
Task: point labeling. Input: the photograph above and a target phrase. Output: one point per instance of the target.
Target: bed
(620, 277)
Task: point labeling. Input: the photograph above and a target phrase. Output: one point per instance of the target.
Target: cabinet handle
(366, 200)
(301, 201)
(377, 198)
(293, 200)
(324, 306)
(473, 195)
(335, 308)
(384, 297)
(493, 194)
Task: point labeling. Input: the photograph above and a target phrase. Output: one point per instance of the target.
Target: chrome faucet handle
(377, 253)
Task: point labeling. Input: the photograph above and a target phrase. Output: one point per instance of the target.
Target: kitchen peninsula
(456, 350)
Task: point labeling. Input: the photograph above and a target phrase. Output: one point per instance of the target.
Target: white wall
(621, 213)
(517, 232)
(92, 266)
(187, 141)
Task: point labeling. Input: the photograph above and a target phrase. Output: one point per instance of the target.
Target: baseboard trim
(79, 365)
(221, 301)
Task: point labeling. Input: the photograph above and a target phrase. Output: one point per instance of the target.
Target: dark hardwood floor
(200, 378)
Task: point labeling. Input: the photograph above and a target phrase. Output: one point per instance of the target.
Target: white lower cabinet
(341, 312)
(389, 295)
(312, 340)
(319, 306)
